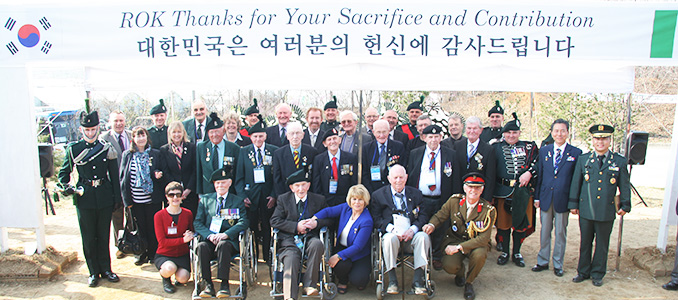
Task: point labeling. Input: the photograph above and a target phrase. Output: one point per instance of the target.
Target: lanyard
(376, 150)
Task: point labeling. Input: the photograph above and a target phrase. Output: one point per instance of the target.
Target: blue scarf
(142, 160)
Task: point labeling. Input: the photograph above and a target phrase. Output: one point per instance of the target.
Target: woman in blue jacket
(351, 261)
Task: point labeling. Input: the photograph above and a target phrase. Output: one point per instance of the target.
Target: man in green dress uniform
(496, 115)
(158, 132)
(95, 193)
(331, 114)
(597, 177)
(414, 110)
(251, 117)
(214, 153)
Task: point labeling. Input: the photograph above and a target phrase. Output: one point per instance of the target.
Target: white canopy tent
(558, 46)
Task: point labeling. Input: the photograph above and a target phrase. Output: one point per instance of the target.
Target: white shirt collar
(338, 155)
(299, 199)
(224, 195)
(428, 150)
(562, 147)
(393, 191)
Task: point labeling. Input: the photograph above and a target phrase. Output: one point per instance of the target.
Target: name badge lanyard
(376, 151)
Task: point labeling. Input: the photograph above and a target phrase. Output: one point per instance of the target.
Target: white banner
(425, 41)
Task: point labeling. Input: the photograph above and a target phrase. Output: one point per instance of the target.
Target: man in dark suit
(420, 139)
(554, 176)
(158, 132)
(494, 131)
(195, 127)
(290, 158)
(379, 155)
(334, 171)
(221, 217)
(277, 135)
(414, 110)
(119, 138)
(436, 173)
(313, 135)
(406, 204)
(392, 117)
(350, 138)
(477, 156)
(292, 217)
(213, 154)
(254, 176)
(455, 127)
(597, 177)
(95, 194)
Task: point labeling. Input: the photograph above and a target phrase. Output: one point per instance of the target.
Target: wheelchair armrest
(324, 230)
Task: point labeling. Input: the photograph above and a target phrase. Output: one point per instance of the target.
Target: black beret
(160, 108)
(601, 130)
(496, 109)
(332, 103)
(214, 123)
(512, 125)
(299, 176)
(258, 126)
(432, 129)
(330, 133)
(254, 109)
(224, 173)
(416, 104)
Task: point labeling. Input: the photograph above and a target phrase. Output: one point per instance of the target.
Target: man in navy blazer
(403, 201)
(283, 158)
(277, 135)
(554, 175)
(334, 171)
(376, 162)
(476, 155)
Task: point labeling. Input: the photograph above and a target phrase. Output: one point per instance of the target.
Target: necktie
(313, 137)
(220, 205)
(600, 160)
(198, 133)
(259, 158)
(335, 172)
(120, 142)
(215, 158)
(559, 156)
(382, 156)
(296, 159)
(283, 135)
(401, 201)
(300, 207)
(471, 152)
(432, 166)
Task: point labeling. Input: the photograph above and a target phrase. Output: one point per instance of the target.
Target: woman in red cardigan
(173, 229)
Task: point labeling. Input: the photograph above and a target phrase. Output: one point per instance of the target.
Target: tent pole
(361, 125)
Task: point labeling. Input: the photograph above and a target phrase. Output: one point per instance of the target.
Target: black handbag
(131, 241)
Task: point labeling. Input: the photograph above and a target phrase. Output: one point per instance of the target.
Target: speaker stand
(633, 188)
(48, 200)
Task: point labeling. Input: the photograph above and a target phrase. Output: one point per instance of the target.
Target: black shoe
(141, 259)
(499, 247)
(224, 292)
(503, 259)
(110, 276)
(518, 260)
(579, 278)
(597, 282)
(208, 291)
(93, 280)
(671, 286)
(437, 265)
(469, 294)
(167, 285)
(558, 272)
(459, 280)
(539, 268)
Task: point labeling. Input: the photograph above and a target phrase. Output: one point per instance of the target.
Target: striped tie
(296, 158)
(559, 156)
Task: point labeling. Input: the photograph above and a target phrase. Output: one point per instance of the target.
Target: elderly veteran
(471, 220)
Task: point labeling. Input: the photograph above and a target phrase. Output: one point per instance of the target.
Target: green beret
(214, 123)
(330, 133)
(416, 104)
(332, 103)
(512, 125)
(299, 176)
(254, 109)
(432, 129)
(160, 108)
(224, 173)
(496, 109)
(258, 126)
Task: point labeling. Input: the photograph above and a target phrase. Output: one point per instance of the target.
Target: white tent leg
(670, 193)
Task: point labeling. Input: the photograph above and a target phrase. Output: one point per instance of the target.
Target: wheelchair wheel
(330, 291)
(251, 261)
(431, 290)
(380, 291)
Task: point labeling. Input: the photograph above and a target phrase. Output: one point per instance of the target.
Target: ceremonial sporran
(508, 205)
(131, 242)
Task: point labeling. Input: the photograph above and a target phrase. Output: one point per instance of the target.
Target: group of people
(208, 177)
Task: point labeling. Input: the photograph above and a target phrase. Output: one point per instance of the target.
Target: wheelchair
(328, 289)
(243, 262)
(404, 259)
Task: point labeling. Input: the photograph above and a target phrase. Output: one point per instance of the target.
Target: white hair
(346, 113)
(474, 120)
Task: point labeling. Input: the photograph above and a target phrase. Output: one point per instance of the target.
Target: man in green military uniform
(414, 110)
(496, 115)
(331, 114)
(471, 220)
(597, 177)
(251, 117)
(95, 194)
(158, 132)
(213, 154)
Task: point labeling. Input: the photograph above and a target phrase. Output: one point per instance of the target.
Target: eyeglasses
(173, 195)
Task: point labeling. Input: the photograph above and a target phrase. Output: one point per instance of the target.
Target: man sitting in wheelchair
(292, 217)
(220, 218)
(399, 213)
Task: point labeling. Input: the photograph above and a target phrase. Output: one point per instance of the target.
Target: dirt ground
(494, 282)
